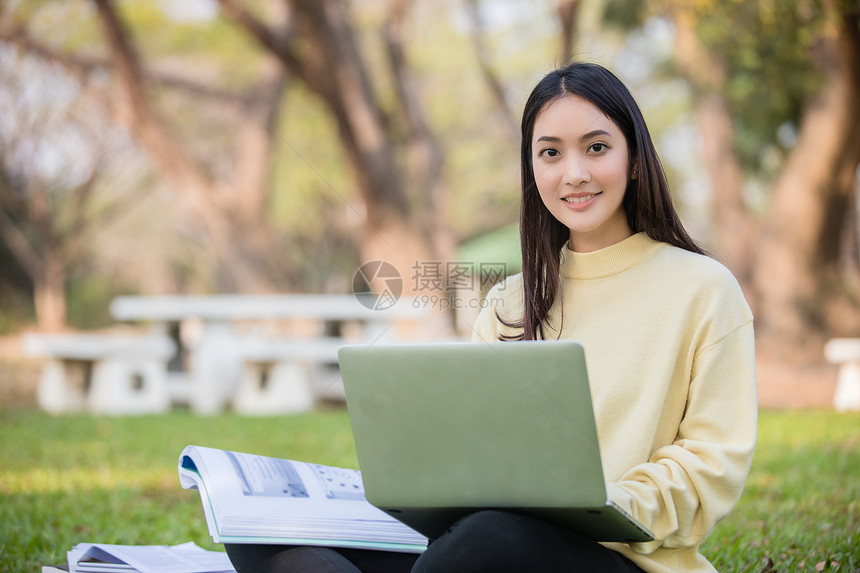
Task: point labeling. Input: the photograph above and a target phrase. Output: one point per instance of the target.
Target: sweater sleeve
(485, 328)
(687, 486)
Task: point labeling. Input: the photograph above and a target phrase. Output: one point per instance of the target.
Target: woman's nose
(576, 171)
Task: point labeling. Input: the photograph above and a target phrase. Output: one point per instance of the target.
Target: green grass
(65, 480)
(72, 479)
(801, 505)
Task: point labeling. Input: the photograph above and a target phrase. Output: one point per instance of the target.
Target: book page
(260, 498)
(185, 558)
(272, 477)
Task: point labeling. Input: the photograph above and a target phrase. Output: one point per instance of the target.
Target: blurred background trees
(261, 146)
(777, 90)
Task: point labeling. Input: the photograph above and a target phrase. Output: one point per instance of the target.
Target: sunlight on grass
(41, 480)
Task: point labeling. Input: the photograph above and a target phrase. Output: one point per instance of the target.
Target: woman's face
(581, 167)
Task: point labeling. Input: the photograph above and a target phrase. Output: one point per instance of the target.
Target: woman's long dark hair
(647, 201)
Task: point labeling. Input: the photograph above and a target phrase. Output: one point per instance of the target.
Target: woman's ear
(635, 172)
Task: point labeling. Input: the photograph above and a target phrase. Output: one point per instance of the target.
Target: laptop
(442, 430)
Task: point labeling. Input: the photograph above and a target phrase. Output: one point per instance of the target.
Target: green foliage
(68, 23)
(202, 44)
(86, 294)
(768, 49)
(16, 308)
(624, 14)
(71, 479)
(16, 296)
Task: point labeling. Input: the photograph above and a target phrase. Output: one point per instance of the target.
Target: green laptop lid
(506, 424)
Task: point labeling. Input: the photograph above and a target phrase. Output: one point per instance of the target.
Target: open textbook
(256, 499)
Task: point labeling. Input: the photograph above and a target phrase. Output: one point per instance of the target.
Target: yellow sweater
(668, 341)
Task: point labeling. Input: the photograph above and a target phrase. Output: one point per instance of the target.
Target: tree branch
(80, 66)
(266, 37)
(83, 67)
(143, 119)
(392, 36)
(331, 66)
(428, 156)
(491, 79)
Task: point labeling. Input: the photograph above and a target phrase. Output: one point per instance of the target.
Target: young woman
(668, 339)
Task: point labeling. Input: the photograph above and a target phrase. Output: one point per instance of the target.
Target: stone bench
(104, 374)
(846, 353)
(281, 376)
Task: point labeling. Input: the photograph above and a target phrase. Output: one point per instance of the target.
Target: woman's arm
(689, 485)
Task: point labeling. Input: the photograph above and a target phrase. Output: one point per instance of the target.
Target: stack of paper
(104, 558)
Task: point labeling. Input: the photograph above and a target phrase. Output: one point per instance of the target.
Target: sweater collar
(608, 261)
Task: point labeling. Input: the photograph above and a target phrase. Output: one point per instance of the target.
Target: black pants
(289, 559)
(487, 541)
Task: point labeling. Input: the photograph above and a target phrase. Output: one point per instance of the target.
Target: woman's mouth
(576, 200)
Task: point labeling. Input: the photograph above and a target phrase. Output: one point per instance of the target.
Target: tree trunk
(788, 264)
(568, 17)
(46, 268)
(796, 269)
(734, 227)
(49, 294)
(255, 144)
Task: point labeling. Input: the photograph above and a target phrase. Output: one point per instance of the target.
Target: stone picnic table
(233, 361)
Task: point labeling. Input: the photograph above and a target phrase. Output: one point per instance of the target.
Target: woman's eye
(597, 147)
(549, 152)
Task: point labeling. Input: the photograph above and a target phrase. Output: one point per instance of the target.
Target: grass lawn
(70, 479)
